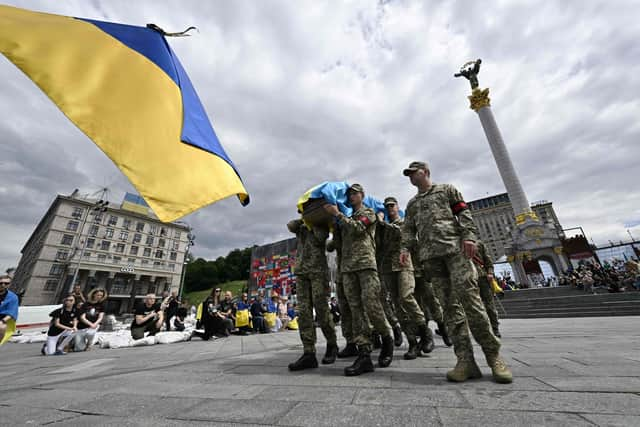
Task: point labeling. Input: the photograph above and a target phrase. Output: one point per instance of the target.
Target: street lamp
(98, 208)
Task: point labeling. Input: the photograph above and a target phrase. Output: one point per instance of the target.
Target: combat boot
(426, 340)
(330, 355)
(412, 353)
(499, 369)
(362, 365)
(442, 331)
(306, 361)
(464, 370)
(376, 340)
(349, 351)
(397, 335)
(386, 352)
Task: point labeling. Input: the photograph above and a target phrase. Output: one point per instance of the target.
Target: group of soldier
(394, 275)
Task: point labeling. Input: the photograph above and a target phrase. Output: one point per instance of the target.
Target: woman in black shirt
(63, 326)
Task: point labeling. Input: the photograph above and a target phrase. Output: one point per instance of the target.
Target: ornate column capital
(479, 98)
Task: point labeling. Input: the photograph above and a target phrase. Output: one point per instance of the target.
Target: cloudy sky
(307, 91)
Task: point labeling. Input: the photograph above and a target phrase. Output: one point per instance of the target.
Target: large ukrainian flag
(125, 88)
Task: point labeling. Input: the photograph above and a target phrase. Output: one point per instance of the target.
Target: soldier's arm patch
(458, 207)
(363, 219)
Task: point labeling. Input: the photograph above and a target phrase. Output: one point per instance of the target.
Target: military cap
(355, 188)
(414, 166)
(390, 200)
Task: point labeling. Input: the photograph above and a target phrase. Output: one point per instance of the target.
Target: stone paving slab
(567, 372)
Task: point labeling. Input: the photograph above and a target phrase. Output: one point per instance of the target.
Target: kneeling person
(148, 318)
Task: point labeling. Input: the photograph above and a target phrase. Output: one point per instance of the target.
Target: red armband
(458, 207)
(363, 219)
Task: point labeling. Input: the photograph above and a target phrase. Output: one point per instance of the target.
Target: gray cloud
(301, 93)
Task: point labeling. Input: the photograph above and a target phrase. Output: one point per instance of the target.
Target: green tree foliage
(202, 274)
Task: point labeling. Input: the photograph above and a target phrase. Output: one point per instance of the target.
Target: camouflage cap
(355, 188)
(414, 166)
(390, 201)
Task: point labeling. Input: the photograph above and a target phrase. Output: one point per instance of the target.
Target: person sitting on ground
(283, 313)
(272, 307)
(257, 315)
(9, 303)
(244, 305)
(90, 319)
(63, 327)
(148, 318)
(228, 311)
(172, 302)
(79, 296)
(178, 319)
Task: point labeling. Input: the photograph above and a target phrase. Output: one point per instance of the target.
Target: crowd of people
(615, 276)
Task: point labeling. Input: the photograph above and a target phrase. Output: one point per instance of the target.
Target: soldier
(385, 295)
(361, 282)
(346, 324)
(429, 302)
(312, 280)
(484, 265)
(401, 283)
(439, 222)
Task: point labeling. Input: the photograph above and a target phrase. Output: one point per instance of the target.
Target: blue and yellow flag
(125, 88)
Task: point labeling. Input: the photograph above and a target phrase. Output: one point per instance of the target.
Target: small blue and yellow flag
(125, 88)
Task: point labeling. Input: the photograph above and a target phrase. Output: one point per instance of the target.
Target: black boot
(349, 351)
(306, 361)
(386, 352)
(426, 340)
(397, 335)
(330, 355)
(363, 364)
(442, 331)
(412, 353)
(376, 340)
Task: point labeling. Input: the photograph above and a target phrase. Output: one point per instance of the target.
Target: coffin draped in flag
(125, 88)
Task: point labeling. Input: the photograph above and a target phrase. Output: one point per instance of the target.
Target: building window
(67, 239)
(120, 248)
(140, 226)
(133, 250)
(172, 267)
(87, 255)
(176, 245)
(102, 258)
(178, 233)
(124, 235)
(149, 240)
(56, 270)
(147, 252)
(163, 231)
(161, 243)
(50, 285)
(116, 260)
(91, 243)
(113, 220)
(108, 233)
(105, 245)
(62, 254)
(93, 230)
(159, 254)
(173, 256)
(137, 238)
(77, 213)
(145, 262)
(72, 225)
(131, 261)
(153, 229)
(126, 223)
(156, 264)
(98, 218)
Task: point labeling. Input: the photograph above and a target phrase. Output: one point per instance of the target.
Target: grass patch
(197, 297)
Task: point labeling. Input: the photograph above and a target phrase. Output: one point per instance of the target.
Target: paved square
(582, 371)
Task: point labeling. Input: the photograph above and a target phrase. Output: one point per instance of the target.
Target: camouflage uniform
(386, 300)
(399, 279)
(440, 221)
(360, 277)
(484, 265)
(346, 324)
(427, 299)
(312, 283)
